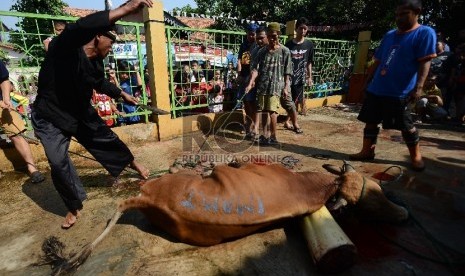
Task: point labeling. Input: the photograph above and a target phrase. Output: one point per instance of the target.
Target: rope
(36, 141)
(395, 179)
(227, 118)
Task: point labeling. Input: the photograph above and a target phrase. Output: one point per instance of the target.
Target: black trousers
(101, 142)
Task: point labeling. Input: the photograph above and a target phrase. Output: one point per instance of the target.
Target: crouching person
(430, 104)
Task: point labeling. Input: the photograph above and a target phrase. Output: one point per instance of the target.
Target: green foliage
(227, 25)
(4, 56)
(187, 9)
(34, 31)
(445, 15)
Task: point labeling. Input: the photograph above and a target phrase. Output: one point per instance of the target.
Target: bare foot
(143, 172)
(70, 219)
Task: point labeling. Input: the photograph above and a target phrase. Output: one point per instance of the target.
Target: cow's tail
(62, 265)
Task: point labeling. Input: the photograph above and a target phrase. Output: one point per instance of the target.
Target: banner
(127, 50)
(188, 52)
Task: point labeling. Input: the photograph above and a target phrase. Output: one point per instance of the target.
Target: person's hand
(135, 5)
(309, 81)
(6, 104)
(433, 99)
(129, 99)
(415, 94)
(119, 113)
(248, 88)
(285, 91)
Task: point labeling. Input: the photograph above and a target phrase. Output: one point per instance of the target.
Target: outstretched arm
(128, 8)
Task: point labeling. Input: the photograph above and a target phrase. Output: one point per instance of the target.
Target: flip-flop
(288, 127)
(298, 130)
(37, 177)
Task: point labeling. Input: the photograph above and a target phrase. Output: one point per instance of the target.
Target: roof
(78, 12)
(8, 46)
(196, 22)
(182, 21)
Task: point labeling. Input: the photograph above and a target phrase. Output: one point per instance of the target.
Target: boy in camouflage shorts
(271, 70)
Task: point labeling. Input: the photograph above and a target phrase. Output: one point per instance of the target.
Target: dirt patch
(29, 213)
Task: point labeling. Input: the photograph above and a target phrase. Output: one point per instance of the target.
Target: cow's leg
(370, 137)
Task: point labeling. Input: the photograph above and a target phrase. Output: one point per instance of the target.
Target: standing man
(402, 64)
(262, 41)
(272, 68)
(72, 68)
(13, 125)
(302, 58)
(243, 70)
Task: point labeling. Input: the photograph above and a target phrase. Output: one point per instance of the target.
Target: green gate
(22, 48)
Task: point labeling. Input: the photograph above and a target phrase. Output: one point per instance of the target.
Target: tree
(4, 56)
(443, 14)
(186, 9)
(33, 31)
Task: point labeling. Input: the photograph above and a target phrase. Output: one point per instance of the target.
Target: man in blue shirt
(402, 63)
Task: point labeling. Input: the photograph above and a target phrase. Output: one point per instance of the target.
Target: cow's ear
(333, 169)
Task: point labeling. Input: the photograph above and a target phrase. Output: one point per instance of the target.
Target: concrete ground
(430, 243)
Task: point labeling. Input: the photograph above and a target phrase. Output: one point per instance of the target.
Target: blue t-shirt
(4, 76)
(126, 107)
(400, 55)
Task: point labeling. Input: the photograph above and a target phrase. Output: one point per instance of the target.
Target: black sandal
(288, 127)
(298, 130)
(37, 177)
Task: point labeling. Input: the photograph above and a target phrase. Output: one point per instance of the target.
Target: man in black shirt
(302, 59)
(72, 68)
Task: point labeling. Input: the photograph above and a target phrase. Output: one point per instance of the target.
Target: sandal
(37, 177)
(288, 127)
(273, 141)
(298, 130)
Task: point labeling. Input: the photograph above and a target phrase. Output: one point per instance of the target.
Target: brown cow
(235, 202)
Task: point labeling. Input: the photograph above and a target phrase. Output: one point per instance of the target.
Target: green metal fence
(333, 61)
(188, 48)
(193, 84)
(190, 92)
(22, 38)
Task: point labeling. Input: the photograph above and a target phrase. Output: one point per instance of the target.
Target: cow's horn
(340, 202)
(347, 167)
(332, 169)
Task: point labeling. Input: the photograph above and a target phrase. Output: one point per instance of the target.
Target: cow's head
(366, 195)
